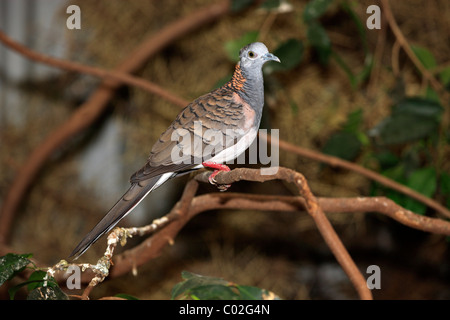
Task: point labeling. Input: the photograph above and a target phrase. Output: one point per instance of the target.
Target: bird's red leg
(217, 168)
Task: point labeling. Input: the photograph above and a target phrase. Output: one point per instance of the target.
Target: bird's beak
(271, 57)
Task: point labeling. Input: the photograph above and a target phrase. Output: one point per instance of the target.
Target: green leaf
(367, 70)
(186, 275)
(422, 107)
(423, 181)
(315, 9)
(411, 119)
(360, 25)
(344, 145)
(398, 129)
(238, 5)
(351, 77)
(356, 78)
(363, 139)
(228, 292)
(47, 293)
(319, 40)
(13, 290)
(199, 287)
(212, 292)
(270, 4)
(387, 159)
(37, 279)
(444, 75)
(193, 280)
(432, 95)
(12, 264)
(353, 124)
(233, 47)
(354, 120)
(290, 53)
(126, 296)
(396, 173)
(425, 56)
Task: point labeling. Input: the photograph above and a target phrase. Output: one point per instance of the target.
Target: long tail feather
(135, 194)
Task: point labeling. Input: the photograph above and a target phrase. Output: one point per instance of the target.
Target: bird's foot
(217, 168)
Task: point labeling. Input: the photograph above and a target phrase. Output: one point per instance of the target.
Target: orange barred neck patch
(238, 80)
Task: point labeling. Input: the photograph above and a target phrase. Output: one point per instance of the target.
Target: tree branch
(405, 45)
(189, 206)
(121, 77)
(340, 163)
(164, 232)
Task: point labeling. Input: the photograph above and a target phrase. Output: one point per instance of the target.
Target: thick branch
(189, 206)
(153, 246)
(337, 162)
(288, 175)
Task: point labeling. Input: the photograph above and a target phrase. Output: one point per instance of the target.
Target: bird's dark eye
(251, 54)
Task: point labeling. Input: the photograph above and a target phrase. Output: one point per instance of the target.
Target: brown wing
(203, 128)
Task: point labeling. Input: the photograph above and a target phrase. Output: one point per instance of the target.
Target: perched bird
(212, 130)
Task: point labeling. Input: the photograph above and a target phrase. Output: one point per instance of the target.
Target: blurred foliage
(415, 122)
(198, 287)
(11, 264)
(39, 285)
(290, 53)
(233, 47)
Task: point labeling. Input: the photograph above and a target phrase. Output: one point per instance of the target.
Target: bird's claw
(218, 168)
(212, 180)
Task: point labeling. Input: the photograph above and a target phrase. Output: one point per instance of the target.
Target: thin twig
(395, 59)
(338, 162)
(104, 74)
(406, 47)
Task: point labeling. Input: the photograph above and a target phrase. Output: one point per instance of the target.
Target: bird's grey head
(254, 55)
